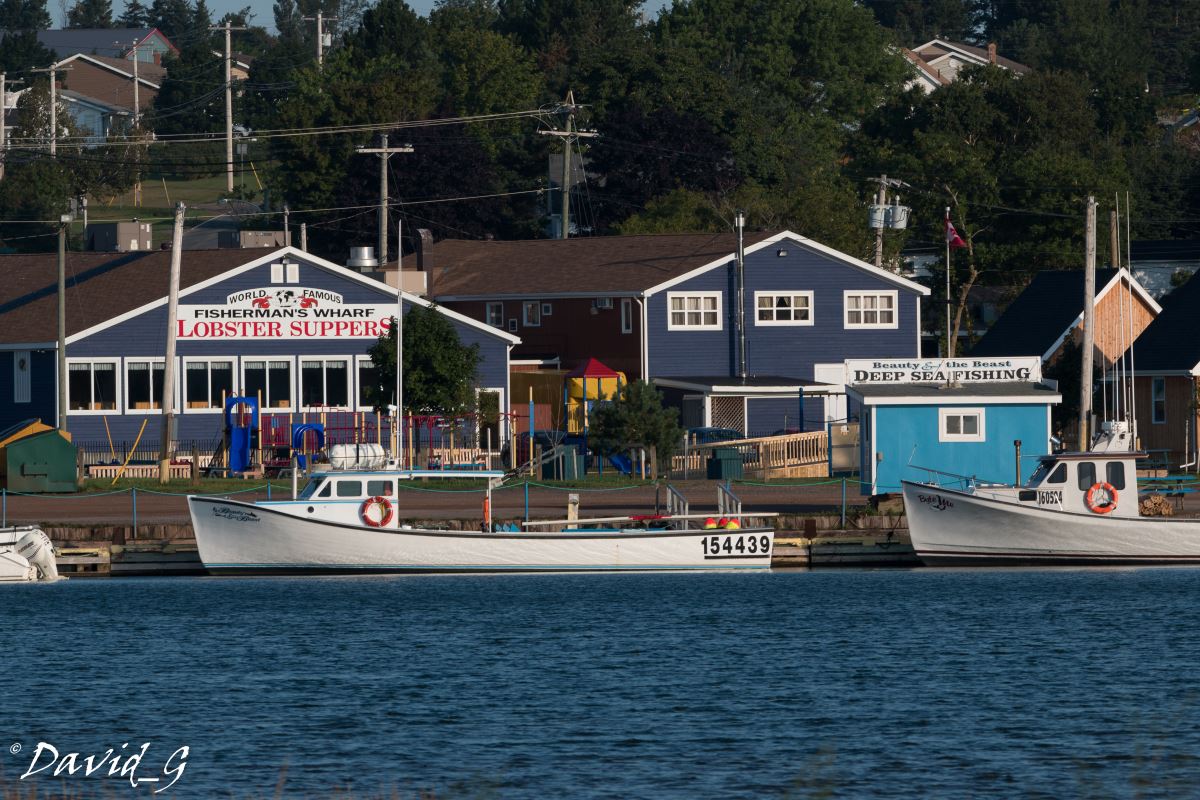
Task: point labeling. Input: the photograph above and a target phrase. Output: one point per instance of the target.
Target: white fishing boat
(26, 554)
(348, 520)
(1077, 508)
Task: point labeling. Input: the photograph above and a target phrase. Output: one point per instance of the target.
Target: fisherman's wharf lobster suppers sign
(292, 312)
(1024, 369)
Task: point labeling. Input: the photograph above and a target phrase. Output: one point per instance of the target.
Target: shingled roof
(1034, 322)
(1171, 343)
(557, 267)
(100, 286)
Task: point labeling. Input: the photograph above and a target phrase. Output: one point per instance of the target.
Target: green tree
(136, 15)
(90, 14)
(636, 418)
(439, 370)
(174, 19)
(24, 15)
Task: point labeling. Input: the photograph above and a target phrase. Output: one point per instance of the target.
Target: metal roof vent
(362, 258)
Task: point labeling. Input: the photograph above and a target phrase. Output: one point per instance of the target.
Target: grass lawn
(159, 195)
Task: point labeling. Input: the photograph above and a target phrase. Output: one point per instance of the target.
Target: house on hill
(663, 308)
(1041, 320)
(285, 327)
(1165, 361)
(938, 62)
(148, 45)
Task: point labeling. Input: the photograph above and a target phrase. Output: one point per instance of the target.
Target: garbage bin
(725, 463)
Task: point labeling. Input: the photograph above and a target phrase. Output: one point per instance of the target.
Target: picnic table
(1174, 486)
(1158, 459)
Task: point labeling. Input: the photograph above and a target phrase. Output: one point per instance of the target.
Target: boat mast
(399, 344)
(1089, 302)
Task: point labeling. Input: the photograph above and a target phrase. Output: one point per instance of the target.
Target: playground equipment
(308, 439)
(588, 383)
(241, 432)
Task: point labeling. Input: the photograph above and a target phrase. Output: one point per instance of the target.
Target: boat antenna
(1132, 362)
(399, 343)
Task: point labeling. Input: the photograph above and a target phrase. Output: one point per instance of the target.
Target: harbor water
(921, 683)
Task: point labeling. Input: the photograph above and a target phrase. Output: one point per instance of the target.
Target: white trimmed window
(532, 309)
(368, 374)
(783, 308)
(1158, 400)
(961, 425)
(694, 311)
(871, 309)
(324, 382)
(268, 379)
(626, 315)
(144, 380)
(92, 386)
(495, 315)
(206, 384)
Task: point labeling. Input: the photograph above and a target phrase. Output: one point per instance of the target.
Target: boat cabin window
(1087, 475)
(1115, 474)
(380, 489)
(1058, 473)
(349, 488)
(309, 490)
(326, 490)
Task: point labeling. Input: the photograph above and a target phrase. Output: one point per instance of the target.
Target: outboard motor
(35, 547)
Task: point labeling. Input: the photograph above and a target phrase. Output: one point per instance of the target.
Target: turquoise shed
(964, 417)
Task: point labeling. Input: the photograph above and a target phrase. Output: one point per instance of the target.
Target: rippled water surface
(791, 684)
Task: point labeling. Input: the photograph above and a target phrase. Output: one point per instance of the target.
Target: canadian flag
(952, 237)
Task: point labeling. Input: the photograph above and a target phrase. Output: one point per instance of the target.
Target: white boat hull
(950, 527)
(235, 537)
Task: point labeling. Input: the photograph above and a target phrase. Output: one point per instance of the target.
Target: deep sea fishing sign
(292, 312)
(1023, 369)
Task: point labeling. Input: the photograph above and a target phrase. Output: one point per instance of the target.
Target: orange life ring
(384, 518)
(1092, 498)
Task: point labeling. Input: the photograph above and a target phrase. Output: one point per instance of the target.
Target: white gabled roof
(803, 241)
(315, 261)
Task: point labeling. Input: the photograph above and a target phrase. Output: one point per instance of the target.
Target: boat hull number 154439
(735, 546)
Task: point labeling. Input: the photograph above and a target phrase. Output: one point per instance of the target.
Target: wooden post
(1089, 302)
(195, 465)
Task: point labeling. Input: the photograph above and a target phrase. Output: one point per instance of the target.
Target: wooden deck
(795, 455)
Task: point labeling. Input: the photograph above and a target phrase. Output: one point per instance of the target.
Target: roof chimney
(362, 259)
(991, 52)
(424, 249)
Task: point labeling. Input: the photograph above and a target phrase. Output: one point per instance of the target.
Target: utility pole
(53, 71)
(1089, 301)
(384, 153)
(1115, 244)
(168, 401)
(137, 116)
(740, 222)
(228, 101)
(881, 201)
(63, 222)
(568, 135)
(320, 20)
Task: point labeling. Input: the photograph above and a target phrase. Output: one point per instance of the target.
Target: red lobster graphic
(261, 302)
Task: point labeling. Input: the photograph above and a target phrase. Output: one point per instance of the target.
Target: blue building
(959, 416)
(282, 326)
(664, 308)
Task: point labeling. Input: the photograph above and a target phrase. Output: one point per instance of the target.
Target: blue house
(285, 327)
(981, 418)
(663, 308)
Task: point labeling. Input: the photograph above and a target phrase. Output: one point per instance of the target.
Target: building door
(729, 412)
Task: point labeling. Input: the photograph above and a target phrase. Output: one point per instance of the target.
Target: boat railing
(677, 504)
(949, 480)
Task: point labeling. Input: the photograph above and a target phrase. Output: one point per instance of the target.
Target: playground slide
(622, 463)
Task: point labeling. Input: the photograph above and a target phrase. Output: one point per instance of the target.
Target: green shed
(36, 458)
